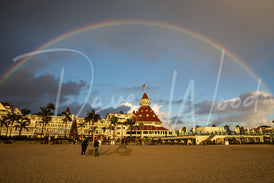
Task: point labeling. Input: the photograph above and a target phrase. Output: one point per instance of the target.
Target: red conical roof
(145, 96)
(68, 110)
(145, 113)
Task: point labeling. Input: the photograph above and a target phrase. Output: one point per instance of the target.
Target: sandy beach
(160, 163)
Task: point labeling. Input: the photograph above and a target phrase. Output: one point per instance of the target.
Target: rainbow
(133, 22)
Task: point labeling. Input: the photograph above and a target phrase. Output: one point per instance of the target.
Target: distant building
(207, 130)
(147, 125)
(56, 127)
(5, 108)
(264, 129)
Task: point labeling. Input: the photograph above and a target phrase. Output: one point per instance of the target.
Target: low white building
(207, 130)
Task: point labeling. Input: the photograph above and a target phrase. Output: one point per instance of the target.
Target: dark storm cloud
(244, 109)
(162, 102)
(244, 103)
(244, 27)
(174, 120)
(104, 112)
(23, 88)
(225, 22)
(180, 121)
(145, 45)
(75, 107)
(24, 83)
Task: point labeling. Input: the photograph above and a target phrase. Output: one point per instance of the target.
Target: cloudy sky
(181, 69)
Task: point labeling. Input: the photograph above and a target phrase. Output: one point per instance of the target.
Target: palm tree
(242, 130)
(177, 133)
(93, 117)
(45, 118)
(81, 125)
(131, 124)
(10, 118)
(46, 115)
(228, 131)
(25, 112)
(6, 124)
(23, 121)
(3, 123)
(65, 120)
(22, 125)
(114, 121)
(50, 106)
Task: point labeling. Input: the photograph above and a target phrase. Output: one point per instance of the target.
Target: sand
(159, 163)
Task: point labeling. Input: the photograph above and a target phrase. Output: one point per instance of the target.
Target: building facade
(147, 124)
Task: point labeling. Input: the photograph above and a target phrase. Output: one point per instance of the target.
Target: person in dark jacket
(84, 147)
(96, 147)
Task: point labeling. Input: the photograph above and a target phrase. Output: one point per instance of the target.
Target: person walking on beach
(96, 147)
(84, 147)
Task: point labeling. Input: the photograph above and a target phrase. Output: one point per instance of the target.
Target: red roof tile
(145, 113)
(145, 96)
(6, 104)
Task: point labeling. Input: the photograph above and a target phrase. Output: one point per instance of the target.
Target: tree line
(21, 121)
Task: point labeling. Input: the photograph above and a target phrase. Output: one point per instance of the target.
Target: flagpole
(144, 87)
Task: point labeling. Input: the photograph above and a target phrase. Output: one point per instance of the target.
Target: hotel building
(147, 124)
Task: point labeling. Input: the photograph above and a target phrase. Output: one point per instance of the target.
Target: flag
(144, 85)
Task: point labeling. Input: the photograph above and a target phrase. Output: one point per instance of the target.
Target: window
(148, 123)
(147, 115)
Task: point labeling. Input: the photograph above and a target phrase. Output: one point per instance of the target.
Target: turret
(145, 100)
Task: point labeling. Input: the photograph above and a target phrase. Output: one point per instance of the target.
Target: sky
(173, 47)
